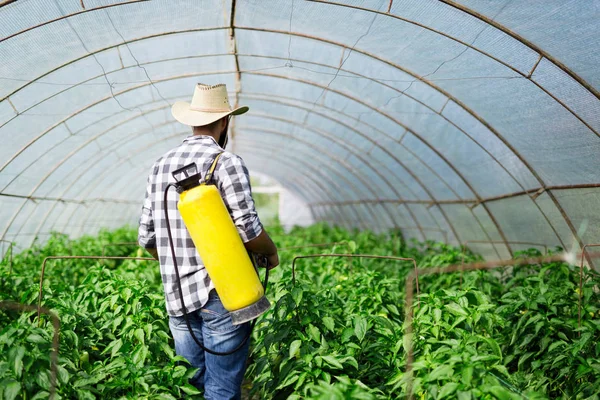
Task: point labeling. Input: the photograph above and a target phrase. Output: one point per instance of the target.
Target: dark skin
(262, 244)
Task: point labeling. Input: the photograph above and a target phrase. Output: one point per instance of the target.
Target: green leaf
(167, 349)
(15, 358)
(43, 380)
(360, 328)
(441, 372)
(11, 390)
(189, 389)
(467, 375)
(295, 348)
(42, 394)
(501, 393)
(352, 246)
(347, 334)
(90, 381)
(116, 322)
(139, 335)
(555, 345)
(437, 315)
(332, 361)
(288, 381)
(126, 293)
(35, 338)
(350, 360)
(448, 389)
(329, 323)
(494, 345)
(165, 396)
(456, 309)
(63, 374)
(297, 295)
(139, 355)
(463, 395)
(116, 347)
(314, 333)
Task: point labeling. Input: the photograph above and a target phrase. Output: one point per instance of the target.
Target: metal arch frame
(436, 113)
(489, 21)
(449, 164)
(323, 189)
(316, 183)
(407, 169)
(341, 162)
(429, 83)
(127, 159)
(85, 144)
(318, 64)
(349, 148)
(265, 98)
(111, 116)
(437, 175)
(325, 192)
(408, 129)
(289, 185)
(338, 142)
(432, 217)
(349, 183)
(459, 103)
(48, 174)
(526, 42)
(358, 217)
(67, 16)
(121, 161)
(157, 109)
(488, 126)
(383, 84)
(393, 220)
(470, 46)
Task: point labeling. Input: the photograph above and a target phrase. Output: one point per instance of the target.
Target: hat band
(210, 110)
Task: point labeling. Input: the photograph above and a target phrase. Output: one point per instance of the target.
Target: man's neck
(204, 132)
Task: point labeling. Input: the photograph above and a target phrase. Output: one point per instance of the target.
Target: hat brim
(182, 113)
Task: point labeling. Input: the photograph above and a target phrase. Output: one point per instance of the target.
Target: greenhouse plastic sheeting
(454, 120)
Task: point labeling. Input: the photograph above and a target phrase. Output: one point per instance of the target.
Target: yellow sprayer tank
(222, 251)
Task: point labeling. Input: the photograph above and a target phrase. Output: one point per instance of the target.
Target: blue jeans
(220, 376)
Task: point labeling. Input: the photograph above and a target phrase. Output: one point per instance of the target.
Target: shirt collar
(201, 138)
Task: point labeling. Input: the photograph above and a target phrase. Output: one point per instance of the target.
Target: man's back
(231, 178)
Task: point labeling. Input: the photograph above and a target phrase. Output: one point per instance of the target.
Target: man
(208, 115)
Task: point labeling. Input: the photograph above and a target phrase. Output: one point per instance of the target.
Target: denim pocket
(215, 321)
(177, 322)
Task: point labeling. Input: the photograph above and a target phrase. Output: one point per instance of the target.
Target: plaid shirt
(233, 181)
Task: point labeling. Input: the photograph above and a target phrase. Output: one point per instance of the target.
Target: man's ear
(224, 122)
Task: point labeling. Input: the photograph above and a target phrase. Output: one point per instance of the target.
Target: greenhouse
(428, 170)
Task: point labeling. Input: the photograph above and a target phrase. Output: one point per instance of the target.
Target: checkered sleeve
(146, 234)
(233, 181)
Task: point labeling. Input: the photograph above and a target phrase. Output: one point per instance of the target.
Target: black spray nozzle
(187, 177)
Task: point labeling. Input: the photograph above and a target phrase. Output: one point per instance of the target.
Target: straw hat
(210, 103)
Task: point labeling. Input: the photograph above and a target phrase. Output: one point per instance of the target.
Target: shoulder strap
(209, 175)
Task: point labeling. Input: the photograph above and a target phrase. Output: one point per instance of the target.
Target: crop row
(335, 332)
